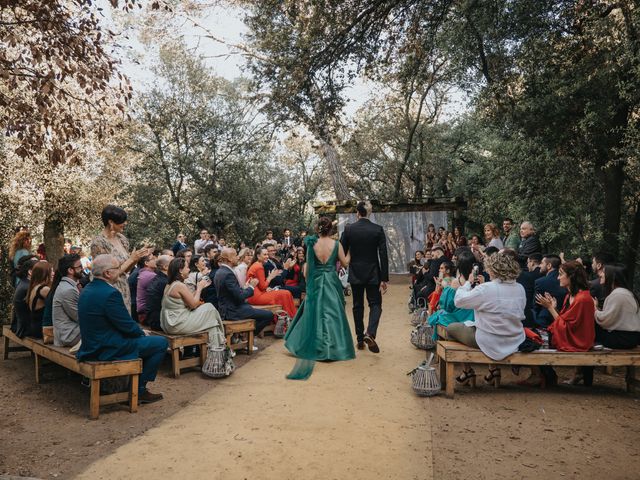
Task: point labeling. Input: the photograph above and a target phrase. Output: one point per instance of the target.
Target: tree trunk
(613, 179)
(335, 170)
(54, 237)
(631, 254)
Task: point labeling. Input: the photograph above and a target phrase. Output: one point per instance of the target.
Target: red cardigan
(574, 328)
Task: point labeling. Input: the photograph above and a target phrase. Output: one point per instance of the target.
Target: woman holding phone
(182, 312)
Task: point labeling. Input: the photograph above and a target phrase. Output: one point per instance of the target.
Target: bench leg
(94, 402)
(204, 348)
(133, 393)
(451, 382)
(175, 362)
(608, 370)
(443, 372)
(38, 364)
(250, 343)
(5, 351)
(229, 340)
(631, 379)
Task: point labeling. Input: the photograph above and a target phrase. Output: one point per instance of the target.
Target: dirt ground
(512, 432)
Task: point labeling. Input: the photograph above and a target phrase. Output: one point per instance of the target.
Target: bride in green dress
(320, 329)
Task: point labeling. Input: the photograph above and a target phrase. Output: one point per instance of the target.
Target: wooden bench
(95, 371)
(273, 308)
(245, 328)
(176, 342)
(452, 353)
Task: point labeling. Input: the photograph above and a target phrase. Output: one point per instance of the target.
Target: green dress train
(320, 329)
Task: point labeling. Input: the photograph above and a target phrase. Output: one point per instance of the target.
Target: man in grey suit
(368, 272)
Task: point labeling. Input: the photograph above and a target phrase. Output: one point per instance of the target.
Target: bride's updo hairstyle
(324, 227)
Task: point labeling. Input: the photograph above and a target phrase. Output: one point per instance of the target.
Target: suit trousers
(262, 317)
(151, 349)
(374, 298)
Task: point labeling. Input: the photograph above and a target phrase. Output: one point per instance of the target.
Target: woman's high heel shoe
(493, 377)
(467, 376)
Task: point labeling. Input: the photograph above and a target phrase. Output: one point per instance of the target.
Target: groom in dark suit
(368, 272)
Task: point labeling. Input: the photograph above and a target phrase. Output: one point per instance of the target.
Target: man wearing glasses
(179, 245)
(66, 330)
(108, 331)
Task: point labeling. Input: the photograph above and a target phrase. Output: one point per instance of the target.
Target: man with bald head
(109, 333)
(232, 297)
(529, 243)
(155, 292)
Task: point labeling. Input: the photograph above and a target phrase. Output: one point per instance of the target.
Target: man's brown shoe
(360, 345)
(371, 343)
(148, 397)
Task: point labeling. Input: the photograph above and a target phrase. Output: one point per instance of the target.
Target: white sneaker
(255, 349)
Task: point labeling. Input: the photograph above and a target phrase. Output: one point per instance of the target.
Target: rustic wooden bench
(453, 353)
(244, 328)
(176, 342)
(95, 371)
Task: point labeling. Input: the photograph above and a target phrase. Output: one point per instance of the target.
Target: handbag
(343, 275)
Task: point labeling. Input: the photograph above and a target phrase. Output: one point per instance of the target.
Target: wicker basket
(218, 363)
(425, 381)
(422, 337)
(282, 324)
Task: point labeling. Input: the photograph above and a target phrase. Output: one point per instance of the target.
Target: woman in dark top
(21, 317)
(39, 288)
(295, 277)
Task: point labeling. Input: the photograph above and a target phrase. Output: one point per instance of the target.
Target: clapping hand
(273, 274)
(547, 301)
(289, 263)
(141, 253)
(253, 282)
(204, 283)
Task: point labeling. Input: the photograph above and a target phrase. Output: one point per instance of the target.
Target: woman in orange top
(261, 294)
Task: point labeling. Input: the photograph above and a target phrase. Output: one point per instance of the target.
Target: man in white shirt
(203, 241)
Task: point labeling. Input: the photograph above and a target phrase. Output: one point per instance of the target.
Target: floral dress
(101, 245)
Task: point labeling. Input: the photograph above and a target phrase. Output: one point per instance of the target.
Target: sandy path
(356, 419)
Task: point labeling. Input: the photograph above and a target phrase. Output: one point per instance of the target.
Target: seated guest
(273, 263)
(448, 312)
(573, 328)
(498, 310)
(199, 268)
(155, 292)
(182, 313)
(185, 253)
(529, 243)
(203, 241)
(147, 273)
(109, 333)
(245, 258)
(596, 287)
(210, 252)
(209, 294)
(527, 279)
(232, 297)
(427, 284)
(263, 294)
(492, 236)
(65, 293)
(269, 240)
(449, 245)
(299, 241)
(180, 244)
(548, 283)
(477, 247)
(415, 265)
(459, 238)
(39, 287)
(296, 273)
(21, 316)
(169, 252)
(618, 323)
(443, 280)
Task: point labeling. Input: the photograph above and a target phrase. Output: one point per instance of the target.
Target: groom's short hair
(364, 208)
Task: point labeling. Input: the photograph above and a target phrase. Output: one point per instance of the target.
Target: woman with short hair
(111, 241)
(245, 258)
(498, 310)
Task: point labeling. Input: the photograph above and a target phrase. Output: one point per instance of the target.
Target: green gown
(320, 329)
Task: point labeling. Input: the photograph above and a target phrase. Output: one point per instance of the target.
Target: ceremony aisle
(355, 419)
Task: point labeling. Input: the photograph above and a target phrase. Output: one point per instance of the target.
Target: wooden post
(631, 379)
(175, 362)
(94, 402)
(133, 393)
(203, 354)
(443, 372)
(451, 382)
(250, 343)
(37, 364)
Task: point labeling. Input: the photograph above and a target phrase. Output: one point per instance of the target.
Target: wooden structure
(94, 371)
(429, 204)
(453, 353)
(177, 342)
(243, 328)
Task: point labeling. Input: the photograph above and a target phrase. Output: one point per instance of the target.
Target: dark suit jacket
(428, 279)
(528, 246)
(528, 280)
(177, 247)
(106, 328)
(232, 300)
(279, 281)
(368, 246)
(548, 283)
(155, 292)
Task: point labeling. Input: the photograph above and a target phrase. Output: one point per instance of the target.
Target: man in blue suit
(109, 333)
(549, 283)
(232, 299)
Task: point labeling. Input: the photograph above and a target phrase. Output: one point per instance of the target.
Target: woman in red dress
(573, 328)
(262, 295)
